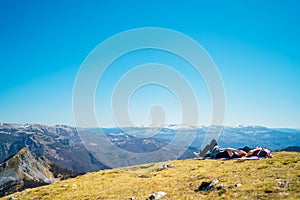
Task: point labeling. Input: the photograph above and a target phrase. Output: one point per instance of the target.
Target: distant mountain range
(67, 146)
(236, 137)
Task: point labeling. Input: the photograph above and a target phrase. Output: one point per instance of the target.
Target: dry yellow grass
(276, 178)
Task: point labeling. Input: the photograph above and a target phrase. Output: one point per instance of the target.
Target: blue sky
(255, 45)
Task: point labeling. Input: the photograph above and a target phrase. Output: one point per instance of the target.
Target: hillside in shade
(292, 149)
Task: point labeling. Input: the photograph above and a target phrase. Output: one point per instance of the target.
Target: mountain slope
(60, 144)
(275, 178)
(64, 146)
(292, 148)
(24, 170)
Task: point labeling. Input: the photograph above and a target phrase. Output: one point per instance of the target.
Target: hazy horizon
(162, 126)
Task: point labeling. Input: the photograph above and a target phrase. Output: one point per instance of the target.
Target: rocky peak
(24, 170)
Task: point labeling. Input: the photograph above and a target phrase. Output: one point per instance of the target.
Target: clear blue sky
(255, 44)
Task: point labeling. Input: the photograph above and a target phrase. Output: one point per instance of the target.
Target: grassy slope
(260, 179)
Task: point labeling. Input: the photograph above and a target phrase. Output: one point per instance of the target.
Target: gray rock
(156, 195)
(207, 186)
(164, 166)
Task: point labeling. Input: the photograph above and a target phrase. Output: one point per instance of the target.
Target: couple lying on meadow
(217, 152)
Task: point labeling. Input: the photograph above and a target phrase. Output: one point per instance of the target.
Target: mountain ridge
(27, 170)
(24, 170)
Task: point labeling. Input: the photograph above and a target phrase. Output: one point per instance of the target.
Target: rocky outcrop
(24, 170)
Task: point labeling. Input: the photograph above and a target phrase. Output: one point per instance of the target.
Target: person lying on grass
(218, 152)
(260, 152)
